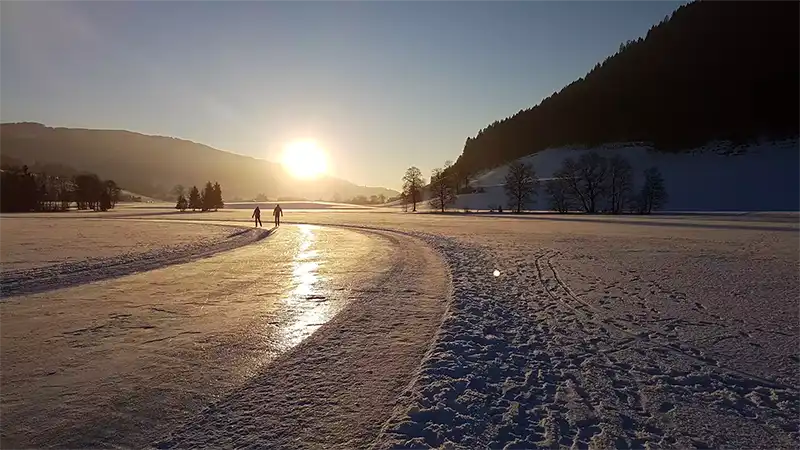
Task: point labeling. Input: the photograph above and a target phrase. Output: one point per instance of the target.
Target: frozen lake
(347, 328)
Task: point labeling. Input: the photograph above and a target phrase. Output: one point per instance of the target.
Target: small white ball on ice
(496, 273)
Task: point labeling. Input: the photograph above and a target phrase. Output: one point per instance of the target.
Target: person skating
(257, 216)
(278, 213)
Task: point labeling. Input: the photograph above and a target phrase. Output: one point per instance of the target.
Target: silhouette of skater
(278, 213)
(257, 215)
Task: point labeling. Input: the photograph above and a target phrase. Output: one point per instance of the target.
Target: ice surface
(340, 386)
(634, 332)
(121, 361)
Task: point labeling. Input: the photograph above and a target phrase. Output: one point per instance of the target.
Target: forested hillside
(713, 70)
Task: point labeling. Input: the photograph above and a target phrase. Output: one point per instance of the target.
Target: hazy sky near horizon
(381, 85)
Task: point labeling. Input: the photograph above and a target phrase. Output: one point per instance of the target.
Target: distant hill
(712, 71)
(153, 165)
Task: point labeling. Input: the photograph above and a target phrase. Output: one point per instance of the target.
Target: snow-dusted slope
(716, 177)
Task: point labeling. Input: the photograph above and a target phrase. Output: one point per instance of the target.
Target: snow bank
(37, 240)
(716, 177)
(37, 263)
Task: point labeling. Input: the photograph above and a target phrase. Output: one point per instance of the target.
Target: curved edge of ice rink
(311, 335)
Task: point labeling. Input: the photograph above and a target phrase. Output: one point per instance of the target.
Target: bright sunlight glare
(304, 159)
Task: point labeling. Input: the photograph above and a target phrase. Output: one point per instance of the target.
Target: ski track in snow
(71, 273)
(522, 362)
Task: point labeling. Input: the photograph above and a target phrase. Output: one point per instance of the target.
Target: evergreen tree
(218, 203)
(194, 199)
(208, 197)
(182, 203)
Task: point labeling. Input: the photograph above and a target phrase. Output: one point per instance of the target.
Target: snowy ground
(603, 332)
(717, 177)
(32, 242)
(677, 334)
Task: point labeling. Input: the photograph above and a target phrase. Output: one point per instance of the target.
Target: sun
(304, 159)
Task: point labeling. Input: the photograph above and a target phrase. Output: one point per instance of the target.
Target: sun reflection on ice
(306, 302)
(305, 275)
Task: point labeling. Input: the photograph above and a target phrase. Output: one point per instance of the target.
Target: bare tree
(520, 185)
(653, 194)
(586, 179)
(442, 191)
(559, 194)
(620, 183)
(412, 186)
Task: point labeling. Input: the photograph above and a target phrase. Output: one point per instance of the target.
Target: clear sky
(381, 85)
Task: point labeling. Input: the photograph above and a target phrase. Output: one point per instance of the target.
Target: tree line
(644, 92)
(590, 184)
(24, 191)
(441, 190)
(364, 200)
(210, 198)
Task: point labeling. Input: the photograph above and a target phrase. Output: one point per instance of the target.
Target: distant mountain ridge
(153, 165)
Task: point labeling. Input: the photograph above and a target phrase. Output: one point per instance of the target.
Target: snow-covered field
(439, 330)
(30, 242)
(266, 207)
(717, 177)
(40, 255)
